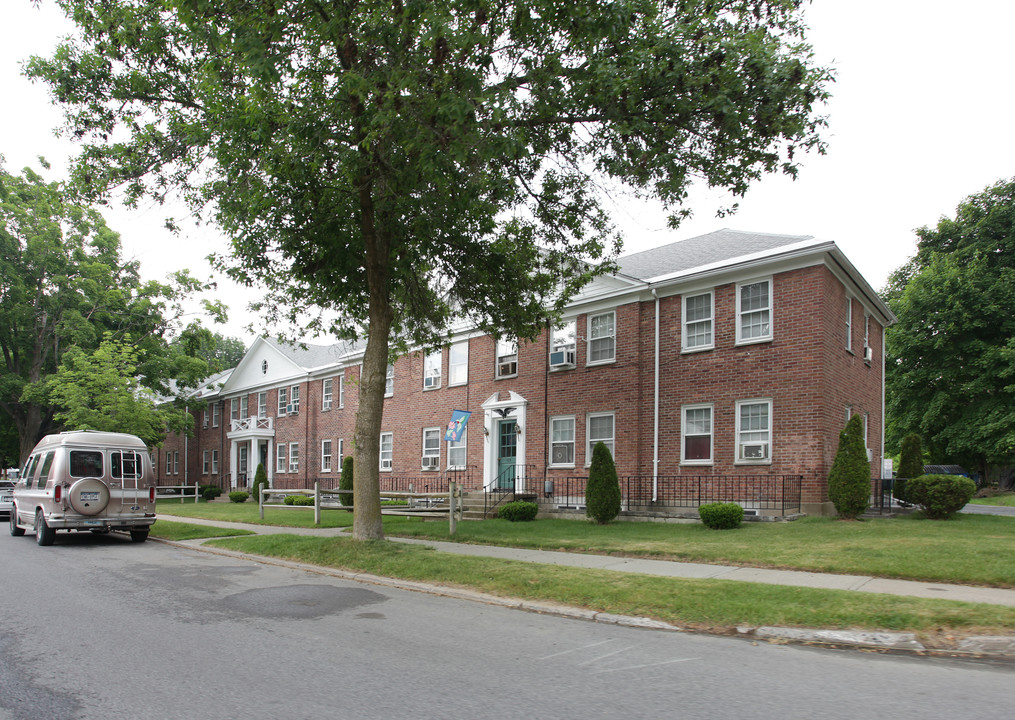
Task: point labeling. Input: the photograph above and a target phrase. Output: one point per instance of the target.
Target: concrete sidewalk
(667, 568)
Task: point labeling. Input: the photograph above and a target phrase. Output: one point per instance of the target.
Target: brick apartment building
(731, 358)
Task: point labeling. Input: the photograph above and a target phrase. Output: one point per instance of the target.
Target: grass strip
(712, 605)
(286, 516)
(1006, 500)
(170, 530)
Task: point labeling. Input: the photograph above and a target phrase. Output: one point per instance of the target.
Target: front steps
(473, 503)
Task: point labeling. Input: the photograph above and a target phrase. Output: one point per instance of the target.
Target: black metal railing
(771, 493)
(505, 486)
(882, 497)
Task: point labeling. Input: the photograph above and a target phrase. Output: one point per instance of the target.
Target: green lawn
(187, 531)
(711, 605)
(1007, 499)
(969, 549)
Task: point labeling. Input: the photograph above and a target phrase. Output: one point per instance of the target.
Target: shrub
(301, 500)
(260, 480)
(910, 466)
(602, 494)
(210, 492)
(518, 511)
(345, 482)
(289, 500)
(941, 496)
(721, 516)
(849, 482)
(238, 496)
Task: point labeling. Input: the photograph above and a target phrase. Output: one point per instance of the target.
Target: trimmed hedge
(238, 496)
(260, 480)
(721, 516)
(940, 496)
(210, 492)
(849, 482)
(602, 492)
(518, 511)
(298, 500)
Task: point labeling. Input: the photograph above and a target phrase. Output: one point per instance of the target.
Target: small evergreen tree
(260, 480)
(345, 482)
(602, 494)
(910, 465)
(850, 478)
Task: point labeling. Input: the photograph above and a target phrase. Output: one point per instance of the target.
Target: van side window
(125, 464)
(47, 463)
(85, 463)
(29, 472)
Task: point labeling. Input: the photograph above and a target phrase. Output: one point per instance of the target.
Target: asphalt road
(96, 627)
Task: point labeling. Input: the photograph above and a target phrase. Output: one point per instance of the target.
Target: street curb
(998, 647)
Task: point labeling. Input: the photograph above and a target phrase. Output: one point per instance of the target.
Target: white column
(270, 462)
(232, 464)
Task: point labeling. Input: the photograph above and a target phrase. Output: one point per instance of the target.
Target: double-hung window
(283, 401)
(562, 441)
(599, 429)
(432, 370)
(754, 431)
(280, 462)
(216, 411)
(696, 434)
(234, 409)
(294, 457)
(241, 460)
(698, 322)
(341, 391)
(294, 399)
(507, 358)
(389, 381)
(326, 387)
(325, 455)
(562, 348)
(849, 323)
(754, 311)
(214, 462)
(244, 407)
(431, 449)
(169, 462)
(458, 363)
(456, 452)
(262, 404)
(205, 462)
(387, 450)
(602, 338)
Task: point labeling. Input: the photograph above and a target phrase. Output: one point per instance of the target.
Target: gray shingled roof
(715, 247)
(313, 356)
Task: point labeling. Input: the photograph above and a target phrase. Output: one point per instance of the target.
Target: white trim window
(234, 409)
(169, 463)
(283, 401)
(456, 451)
(849, 323)
(280, 460)
(599, 428)
(241, 460)
(176, 462)
(294, 457)
(754, 432)
(696, 435)
(389, 381)
(387, 450)
(205, 462)
(458, 363)
(754, 311)
(431, 459)
(432, 370)
(216, 413)
(244, 407)
(326, 392)
(698, 315)
(204, 421)
(325, 455)
(563, 344)
(868, 355)
(214, 462)
(341, 391)
(262, 404)
(602, 338)
(294, 399)
(507, 358)
(341, 453)
(562, 441)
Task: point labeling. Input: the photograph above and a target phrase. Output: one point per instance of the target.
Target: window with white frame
(431, 449)
(325, 455)
(294, 399)
(432, 370)
(205, 462)
(234, 409)
(754, 311)
(216, 412)
(169, 462)
(283, 401)
(341, 391)
(294, 457)
(244, 407)
(326, 394)
(849, 323)
(241, 460)
(280, 463)
(456, 451)
(387, 450)
(562, 441)
(341, 453)
(867, 354)
(507, 358)
(602, 338)
(754, 431)
(176, 462)
(698, 322)
(204, 422)
(214, 462)
(696, 435)
(563, 341)
(389, 381)
(262, 404)
(599, 429)
(458, 363)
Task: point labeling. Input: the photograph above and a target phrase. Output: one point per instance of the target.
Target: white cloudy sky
(922, 116)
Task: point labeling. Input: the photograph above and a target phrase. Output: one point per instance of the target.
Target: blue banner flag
(456, 427)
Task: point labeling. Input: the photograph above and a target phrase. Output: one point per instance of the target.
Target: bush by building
(602, 493)
(518, 511)
(721, 516)
(941, 496)
(849, 482)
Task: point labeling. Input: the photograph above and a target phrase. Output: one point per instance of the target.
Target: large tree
(950, 373)
(63, 286)
(403, 165)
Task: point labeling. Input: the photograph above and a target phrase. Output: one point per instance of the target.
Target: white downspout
(884, 353)
(186, 453)
(655, 410)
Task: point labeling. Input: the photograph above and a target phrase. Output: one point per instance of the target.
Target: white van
(85, 480)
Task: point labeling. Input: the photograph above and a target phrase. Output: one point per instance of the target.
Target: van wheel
(139, 536)
(44, 534)
(15, 530)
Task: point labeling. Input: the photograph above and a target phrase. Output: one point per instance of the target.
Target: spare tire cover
(88, 496)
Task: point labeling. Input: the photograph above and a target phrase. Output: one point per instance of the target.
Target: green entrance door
(507, 452)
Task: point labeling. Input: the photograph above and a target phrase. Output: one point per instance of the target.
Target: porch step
(474, 503)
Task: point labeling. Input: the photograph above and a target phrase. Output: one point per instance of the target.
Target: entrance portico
(250, 442)
(504, 425)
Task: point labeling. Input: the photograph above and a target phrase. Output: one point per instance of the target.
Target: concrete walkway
(666, 568)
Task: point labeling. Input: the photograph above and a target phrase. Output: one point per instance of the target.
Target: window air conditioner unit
(868, 354)
(756, 451)
(562, 358)
(430, 462)
(291, 409)
(507, 368)
(431, 381)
